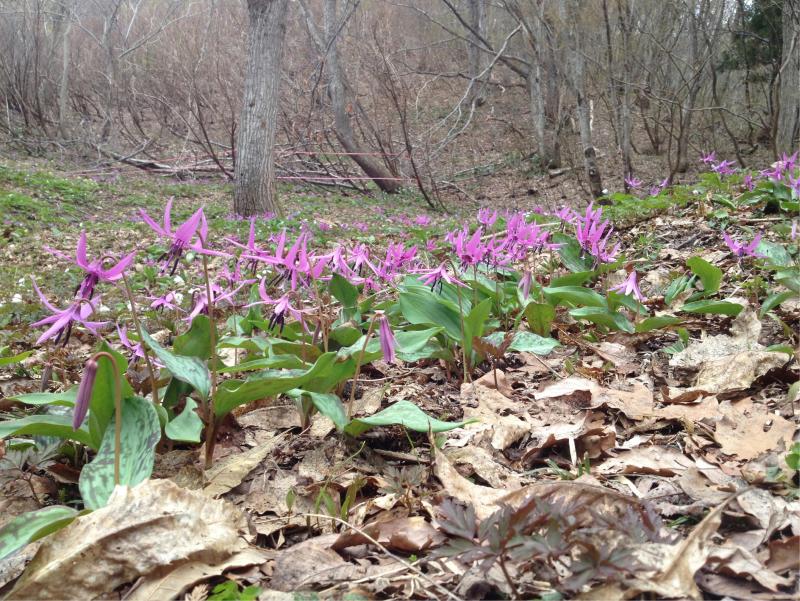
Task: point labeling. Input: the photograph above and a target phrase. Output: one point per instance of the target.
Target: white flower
(179, 281)
(17, 298)
(178, 297)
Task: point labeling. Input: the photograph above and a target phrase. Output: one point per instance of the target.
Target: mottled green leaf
(31, 526)
(327, 404)
(540, 317)
(196, 341)
(710, 275)
(714, 307)
(187, 369)
(405, 414)
(141, 432)
(59, 426)
(15, 358)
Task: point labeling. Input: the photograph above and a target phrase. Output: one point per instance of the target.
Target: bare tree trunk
(624, 17)
(687, 107)
(477, 19)
(344, 130)
(578, 80)
(788, 122)
(254, 188)
(63, 84)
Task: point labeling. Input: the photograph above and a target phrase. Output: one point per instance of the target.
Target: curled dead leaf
(154, 525)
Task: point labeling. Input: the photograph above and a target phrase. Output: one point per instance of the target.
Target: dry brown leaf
(575, 390)
(169, 584)
(664, 461)
(675, 579)
(728, 363)
(229, 472)
(312, 563)
(695, 484)
(405, 534)
(495, 413)
(738, 561)
(733, 588)
(503, 385)
(481, 463)
(746, 430)
(784, 554)
(482, 498)
(142, 529)
(622, 357)
(736, 372)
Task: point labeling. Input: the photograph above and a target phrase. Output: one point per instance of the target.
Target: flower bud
(84, 393)
(387, 339)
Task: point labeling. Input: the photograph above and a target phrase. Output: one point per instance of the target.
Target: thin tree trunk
(624, 17)
(344, 130)
(63, 84)
(254, 188)
(788, 122)
(578, 80)
(477, 18)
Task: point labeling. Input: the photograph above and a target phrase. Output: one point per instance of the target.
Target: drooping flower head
(180, 239)
(62, 320)
(630, 287)
(386, 338)
(741, 249)
(94, 269)
(84, 395)
(633, 182)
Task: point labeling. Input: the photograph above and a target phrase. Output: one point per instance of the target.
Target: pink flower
(95, 271)
(740, 249)
(84, 395)
(387, 339)
(630, 287)
(422, 220)
(487, 217)
(431, 277)
(709, 158)
(62, 320)
(633, 182)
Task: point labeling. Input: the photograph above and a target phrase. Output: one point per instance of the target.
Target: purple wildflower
(84, 396)
(387, 339)
(630, 287)
(94, 269)
(709, 158)
(525, 284)
(487, 217)
(62, 320)
(432, 277)
(741, 249)
(633, 182)
(723, 168)
(422, 220)
(181, 237)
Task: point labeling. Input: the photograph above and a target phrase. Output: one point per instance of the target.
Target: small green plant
(230, 591)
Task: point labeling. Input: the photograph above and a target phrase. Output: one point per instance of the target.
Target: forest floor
(647, 451)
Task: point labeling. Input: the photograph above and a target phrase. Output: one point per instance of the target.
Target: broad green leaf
(774, 300)
(327, 404)
(574, 295)
(196, 342)
(709, 274)
(101, 405)
(343, 291)
(420, 306)
(540, 317)
(572, 254)
(713, 307)
(232, 393)
(528, 342)
(572, 279)
(789, 278)
(345, 335)
(603, 317)
(46, 425)
(187, 426)
(774, 253)
(15, 359)
(186, 369)
(31, 526)
(66, 398)
(273, 362)
(780, 348)
(675, 287)
(254, 344)
(141, 432)
(475, 323)
(405, 414)
(656, 323)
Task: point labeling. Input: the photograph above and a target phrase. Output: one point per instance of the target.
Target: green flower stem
(211, 425)
(358, 368)
(145, 352)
